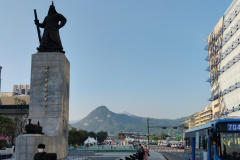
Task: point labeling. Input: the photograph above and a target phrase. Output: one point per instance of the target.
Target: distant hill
(102, 119)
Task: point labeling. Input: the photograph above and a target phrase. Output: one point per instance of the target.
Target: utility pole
(148, 132)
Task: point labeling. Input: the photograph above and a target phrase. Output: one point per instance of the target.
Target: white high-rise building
(224, 63)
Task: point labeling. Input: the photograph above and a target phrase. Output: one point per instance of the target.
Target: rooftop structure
(21, 89)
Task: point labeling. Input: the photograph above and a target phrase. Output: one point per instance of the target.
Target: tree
(19, 101)
(21, 116)
(7, 128)
(92, 134)
(163, 136)
(72, 134)
(155, 138)
(77, 136)
(83, 136)
(101, 136)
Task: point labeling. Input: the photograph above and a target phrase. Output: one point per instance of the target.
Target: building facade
(224, 65)
(203, 117)
(21, 89)
(20, 94)
(188, 123)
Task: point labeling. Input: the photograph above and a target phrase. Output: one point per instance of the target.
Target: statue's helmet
(52, 9)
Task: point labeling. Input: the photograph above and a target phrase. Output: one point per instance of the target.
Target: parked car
(182, 147)
(169, 145)
(174, 145)
(179, 145)
(164, 144)
(160, 143)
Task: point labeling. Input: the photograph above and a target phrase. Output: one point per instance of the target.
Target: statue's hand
(36, 22)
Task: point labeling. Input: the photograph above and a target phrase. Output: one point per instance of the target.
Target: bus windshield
(229, 146)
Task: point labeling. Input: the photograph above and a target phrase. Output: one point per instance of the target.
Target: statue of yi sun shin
(50, 41)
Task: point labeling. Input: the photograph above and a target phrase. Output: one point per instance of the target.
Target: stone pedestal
(49, 104)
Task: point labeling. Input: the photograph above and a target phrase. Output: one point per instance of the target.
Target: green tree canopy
(102, 136)
(7, 127)
(163, 136)
(79, 136)
(92, 134)
(19, 101)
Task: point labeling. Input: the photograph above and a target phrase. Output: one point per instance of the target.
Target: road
(171, 153)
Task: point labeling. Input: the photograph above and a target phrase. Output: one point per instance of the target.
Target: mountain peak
(102, 108)
(100, 112)
(102, 119)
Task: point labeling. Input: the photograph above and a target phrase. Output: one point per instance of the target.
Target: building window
(216, 105)
(23, 91)
(205, 142)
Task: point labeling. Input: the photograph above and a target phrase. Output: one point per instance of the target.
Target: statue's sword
(38, 29)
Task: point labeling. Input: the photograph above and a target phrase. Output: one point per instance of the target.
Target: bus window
(228, 147)
(188, 142)
(205, 142)
(200, 142)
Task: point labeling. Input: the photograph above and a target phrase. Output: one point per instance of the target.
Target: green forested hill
(102, 119)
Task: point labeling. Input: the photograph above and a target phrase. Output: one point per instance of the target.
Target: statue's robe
(51, 38)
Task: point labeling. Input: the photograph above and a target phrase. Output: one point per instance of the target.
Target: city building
(197, 119)
(12, 111)
(14, 100)
(203, 117)
(224, 65)
(188, 123)
(13, 104)
(21, 89)
(20, 93)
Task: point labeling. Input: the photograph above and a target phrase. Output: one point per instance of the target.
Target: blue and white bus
(217, 140)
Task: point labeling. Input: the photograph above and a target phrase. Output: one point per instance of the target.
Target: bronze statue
(50, 41)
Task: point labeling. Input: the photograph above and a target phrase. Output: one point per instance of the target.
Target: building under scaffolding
(224, 63)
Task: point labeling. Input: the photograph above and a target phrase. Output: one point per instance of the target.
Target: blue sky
(143, 57)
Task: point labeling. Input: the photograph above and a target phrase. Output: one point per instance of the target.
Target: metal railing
(78, 157)
(104, 148)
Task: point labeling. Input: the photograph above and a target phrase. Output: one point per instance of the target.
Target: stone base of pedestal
(49, 105)
(26, 146)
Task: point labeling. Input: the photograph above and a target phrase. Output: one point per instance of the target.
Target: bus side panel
(215, 153)
(188, 147)
(193, 148)
(209, 149)
(198, 154)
